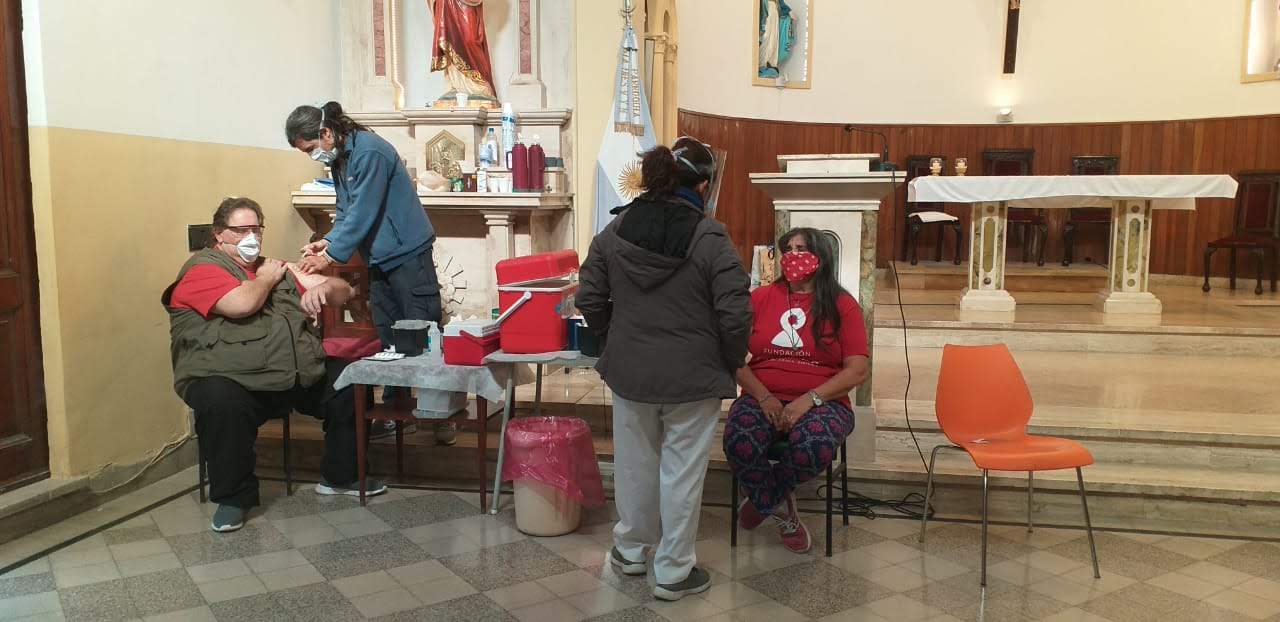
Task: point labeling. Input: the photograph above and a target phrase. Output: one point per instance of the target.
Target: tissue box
(434, 404)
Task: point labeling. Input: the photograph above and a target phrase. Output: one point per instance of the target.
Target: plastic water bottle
(435, 342)
(489, 150)
(508, 131)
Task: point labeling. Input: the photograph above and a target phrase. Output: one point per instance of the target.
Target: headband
(705, 171)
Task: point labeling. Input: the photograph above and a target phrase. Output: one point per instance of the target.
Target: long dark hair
(824, 313)
(685, 164)
(305, 122)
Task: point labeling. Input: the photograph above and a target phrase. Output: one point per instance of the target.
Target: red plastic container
(538, 325)
(467, 343)
(539, 267)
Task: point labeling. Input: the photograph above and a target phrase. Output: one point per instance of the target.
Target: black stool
(775, 453)
(288, 472)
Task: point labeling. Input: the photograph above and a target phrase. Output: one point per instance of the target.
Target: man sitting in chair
(245, 349)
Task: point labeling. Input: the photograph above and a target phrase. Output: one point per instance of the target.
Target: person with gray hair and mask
(378, 214)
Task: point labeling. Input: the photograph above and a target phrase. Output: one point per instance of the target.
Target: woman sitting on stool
(808, 351)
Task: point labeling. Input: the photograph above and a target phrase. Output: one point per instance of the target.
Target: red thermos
(520, 167)
(537, 167)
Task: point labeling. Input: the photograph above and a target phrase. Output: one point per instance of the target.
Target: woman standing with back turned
(665, 285)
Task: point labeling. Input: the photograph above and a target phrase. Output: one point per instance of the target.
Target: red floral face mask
(799, 266)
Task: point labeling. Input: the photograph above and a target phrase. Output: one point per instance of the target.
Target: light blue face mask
(319, 154)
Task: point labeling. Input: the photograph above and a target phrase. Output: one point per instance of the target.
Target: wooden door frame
(15, 186)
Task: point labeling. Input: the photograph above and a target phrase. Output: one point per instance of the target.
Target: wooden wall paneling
(1228, 145)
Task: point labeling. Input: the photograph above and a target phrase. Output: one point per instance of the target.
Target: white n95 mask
(324, 157)
(249, 248)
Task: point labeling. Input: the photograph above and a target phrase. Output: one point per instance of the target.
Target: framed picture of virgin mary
(782, 48)
(1262, 41)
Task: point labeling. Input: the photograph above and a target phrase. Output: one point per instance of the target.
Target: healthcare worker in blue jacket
(378, 214)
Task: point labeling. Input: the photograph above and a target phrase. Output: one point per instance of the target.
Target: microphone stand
(885, 164)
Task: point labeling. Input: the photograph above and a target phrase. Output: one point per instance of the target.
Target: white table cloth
(426, 372)
(1131, 198)
(1067, 191)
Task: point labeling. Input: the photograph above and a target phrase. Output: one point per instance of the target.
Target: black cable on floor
(909, 506)
(902, 314)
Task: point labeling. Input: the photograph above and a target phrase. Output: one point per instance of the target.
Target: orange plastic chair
(983, 406)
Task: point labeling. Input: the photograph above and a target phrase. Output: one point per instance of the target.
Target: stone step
(1019, 277)
(1210, 441)
(1063, 337)
(1150, 498)
(1162, 498)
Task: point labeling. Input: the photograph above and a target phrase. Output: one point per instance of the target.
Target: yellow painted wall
(111, 215)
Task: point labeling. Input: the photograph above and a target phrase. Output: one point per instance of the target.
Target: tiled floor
(417, 555)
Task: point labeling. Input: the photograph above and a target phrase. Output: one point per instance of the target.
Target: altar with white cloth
(1131, 198)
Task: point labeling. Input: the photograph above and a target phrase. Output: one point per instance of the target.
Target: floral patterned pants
(812, 444)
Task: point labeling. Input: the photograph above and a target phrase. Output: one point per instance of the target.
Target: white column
(1126, 290)
(500, 243)
(988, 228)
(526, 89)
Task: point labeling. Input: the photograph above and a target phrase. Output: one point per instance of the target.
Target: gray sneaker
(697, 582)
(625, 565)
(371, 487)
(227, 518)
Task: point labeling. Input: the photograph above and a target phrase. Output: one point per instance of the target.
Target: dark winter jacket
(665, 286)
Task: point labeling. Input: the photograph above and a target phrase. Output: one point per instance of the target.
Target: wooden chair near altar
(1032, 228)
(1093, 217)
(1256, 229)
(915, 214)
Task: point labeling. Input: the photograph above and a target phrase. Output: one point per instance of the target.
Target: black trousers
(410, 291)
(227, 420)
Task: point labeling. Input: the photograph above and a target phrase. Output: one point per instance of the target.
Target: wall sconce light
(1004, 115)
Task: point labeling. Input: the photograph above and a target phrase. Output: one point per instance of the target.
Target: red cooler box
(542, 289)
(467, 343)
(539, 267)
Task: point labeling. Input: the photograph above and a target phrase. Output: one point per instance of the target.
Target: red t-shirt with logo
(204, 285)
(783, 355)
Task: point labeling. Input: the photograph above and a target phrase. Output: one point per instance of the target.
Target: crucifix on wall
(1011, 36)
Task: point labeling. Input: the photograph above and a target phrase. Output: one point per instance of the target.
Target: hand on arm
(315, 257)
(321, 290)
(771, 405)
(248, 297)
(856, 370)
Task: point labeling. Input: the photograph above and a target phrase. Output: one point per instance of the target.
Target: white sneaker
(371, 487)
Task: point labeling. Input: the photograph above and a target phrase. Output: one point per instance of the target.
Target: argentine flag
(628, 132)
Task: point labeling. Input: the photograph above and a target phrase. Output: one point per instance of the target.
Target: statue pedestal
(838, 195)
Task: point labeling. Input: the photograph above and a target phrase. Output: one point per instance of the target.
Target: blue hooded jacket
(378, 210)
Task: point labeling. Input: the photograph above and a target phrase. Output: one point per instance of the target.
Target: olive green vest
(274, 349)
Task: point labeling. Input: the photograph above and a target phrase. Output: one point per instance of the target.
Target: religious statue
(461, 50)
(777, 35)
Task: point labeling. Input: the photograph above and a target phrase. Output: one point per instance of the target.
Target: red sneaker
(748, 516)
(792, 531)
